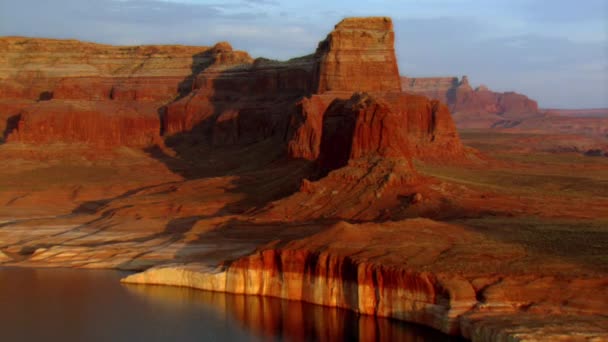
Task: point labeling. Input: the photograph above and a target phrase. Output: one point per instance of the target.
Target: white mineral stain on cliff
(421, 299)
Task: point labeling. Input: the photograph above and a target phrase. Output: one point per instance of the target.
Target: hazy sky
(555, 51)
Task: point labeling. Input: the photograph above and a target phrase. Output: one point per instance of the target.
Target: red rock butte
(135, 96)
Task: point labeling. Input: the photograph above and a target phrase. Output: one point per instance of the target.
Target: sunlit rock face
(134, 96)
(358, 55)
(328, 280)
(72, 91)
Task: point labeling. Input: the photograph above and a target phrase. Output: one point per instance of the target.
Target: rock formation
(66, 90)
(304, 179)
(456, 296)
(110, 96)
(358, 55)
(474, 108)
(330, 280)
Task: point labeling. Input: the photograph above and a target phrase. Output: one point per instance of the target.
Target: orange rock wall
(331, 280)
(132, 96)
(107, 124)
(358, 56)
(386, 125)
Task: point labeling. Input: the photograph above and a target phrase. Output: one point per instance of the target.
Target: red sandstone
(245, 172)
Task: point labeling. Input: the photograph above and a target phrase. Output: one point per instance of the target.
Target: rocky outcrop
(473, 108)
(33, 68)
(108, 95)
(358, 55)
(299, 101)
(339, 111)
(107, 123)
(433, 87)
(91, 93)
(389, 125)
(330, 280)
(347, 266)
(483, 108)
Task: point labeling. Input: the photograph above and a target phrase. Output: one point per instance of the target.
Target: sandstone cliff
(71, 91)
(474, 108)
(358, 55)
(67, 90)
(354, 266)
(340, 110)
(283, 179)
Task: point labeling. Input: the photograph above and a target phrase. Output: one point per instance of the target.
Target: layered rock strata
(358, 55)
(103, 95)
(341, 109)
(473, 108)
(355, 267)
(72, 91)
(330, 280)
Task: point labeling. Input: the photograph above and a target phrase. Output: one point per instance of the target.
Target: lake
(92, 305)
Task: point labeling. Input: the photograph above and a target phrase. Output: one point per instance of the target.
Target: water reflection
(272, 318)
(78, 305)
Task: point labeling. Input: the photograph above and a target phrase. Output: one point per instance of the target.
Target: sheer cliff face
(346, 96)
(358, 55)
(473, 108)
(30, 67)
(72, 91)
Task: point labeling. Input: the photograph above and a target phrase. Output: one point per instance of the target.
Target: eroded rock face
(340, 267)
(330, 280)
(104, 124)
(358, 55)
(394, 125)
(109, 95)
(72, 91)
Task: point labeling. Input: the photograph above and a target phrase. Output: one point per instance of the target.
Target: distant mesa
(473, 108)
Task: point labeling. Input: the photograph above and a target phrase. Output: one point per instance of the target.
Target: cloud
(264, 2)
(556, 71)
(562, 11)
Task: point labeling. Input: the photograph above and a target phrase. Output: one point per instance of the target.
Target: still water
(79, 305)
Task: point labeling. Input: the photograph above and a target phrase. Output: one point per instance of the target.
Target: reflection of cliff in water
(273, 318)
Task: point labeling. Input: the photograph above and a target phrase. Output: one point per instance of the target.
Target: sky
(556, 51)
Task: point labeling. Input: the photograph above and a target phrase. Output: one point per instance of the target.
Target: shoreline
(407, 282)
(354, 297)
(443, 302)
(186, 310)
(126, 278)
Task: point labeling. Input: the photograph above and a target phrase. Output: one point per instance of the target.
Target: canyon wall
(481, 293)
(330, 280)
(70, 91)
